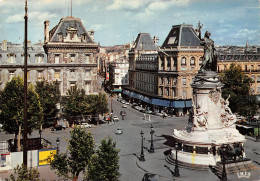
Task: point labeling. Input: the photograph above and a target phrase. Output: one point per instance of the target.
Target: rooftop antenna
(68, 8)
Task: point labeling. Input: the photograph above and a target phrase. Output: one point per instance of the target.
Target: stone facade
(71, 53)
(68, 55)
(249, 62)
(118, 75)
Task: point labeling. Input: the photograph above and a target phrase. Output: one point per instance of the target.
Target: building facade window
(183, 61)
(57, 59)
(184, 94)
(72, 58)
(40, 76)
(11, 75)
(72, 86)
(192, 61)
(56, 75)
(184, 81)
(39, 58)
(11, 58)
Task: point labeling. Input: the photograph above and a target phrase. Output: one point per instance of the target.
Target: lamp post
(58, 142)
(223, 158)
(40, 132)
(257, 137)
(152, 132)
(176, 169)
(142, 147)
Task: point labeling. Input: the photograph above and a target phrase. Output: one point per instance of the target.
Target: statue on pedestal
(209, 60)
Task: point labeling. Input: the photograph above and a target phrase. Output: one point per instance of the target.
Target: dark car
(149, 177)
(58, 127)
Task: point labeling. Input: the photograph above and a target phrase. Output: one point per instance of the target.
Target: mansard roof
(181, 35)
(144, 42)
(69, 23)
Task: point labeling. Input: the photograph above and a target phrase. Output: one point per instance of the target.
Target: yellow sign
(45, 156)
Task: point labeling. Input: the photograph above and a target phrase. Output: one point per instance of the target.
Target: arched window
(192, 61)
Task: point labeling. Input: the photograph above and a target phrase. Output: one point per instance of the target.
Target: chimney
(46, 31)
(155, 40)
(4, 45)
(91, 33)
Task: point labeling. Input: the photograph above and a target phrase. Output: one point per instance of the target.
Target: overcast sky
(231, 22)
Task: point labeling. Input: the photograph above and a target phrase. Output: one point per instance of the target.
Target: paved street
(129, 144)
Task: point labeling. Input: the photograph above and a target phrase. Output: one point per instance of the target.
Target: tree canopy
(81, 148)
(49, 94)
(105, 162)
(12, 106)
(238, 86)
(74, 104)
(21, 173)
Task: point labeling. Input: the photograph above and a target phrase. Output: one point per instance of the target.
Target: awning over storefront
(160, 102)
(117, 90)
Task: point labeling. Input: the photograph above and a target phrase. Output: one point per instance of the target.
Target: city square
(122, 93)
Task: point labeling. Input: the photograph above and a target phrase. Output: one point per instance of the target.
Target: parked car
(119, 99)
(115, 119)
(142, 110)
(85, 125)
(127, 103)
(119, 130)
(58, 127)
(124, 106)
(123, 101)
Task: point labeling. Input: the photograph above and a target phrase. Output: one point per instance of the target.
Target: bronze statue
(209, 61)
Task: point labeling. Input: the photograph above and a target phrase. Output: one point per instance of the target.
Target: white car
(127, 103)
(124, 106)
(115, 119)
(119, 130)
(85, 125)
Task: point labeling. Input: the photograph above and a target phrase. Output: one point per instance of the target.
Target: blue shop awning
(178, 104)
(117, 90)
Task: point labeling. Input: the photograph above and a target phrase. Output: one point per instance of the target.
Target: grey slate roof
(64, 24)
(181, 35)
(144, 42)
(17, 50)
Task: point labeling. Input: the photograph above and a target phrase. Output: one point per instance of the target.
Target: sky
(117, 22)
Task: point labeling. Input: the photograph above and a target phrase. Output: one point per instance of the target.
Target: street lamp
(58, 142)
(257, 137)
(176, 169)
(40, 132)
(142, 147)
(223, 159)
(152, 132)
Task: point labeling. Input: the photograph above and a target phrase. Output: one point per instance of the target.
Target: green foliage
(97, 103)
(74, 104)
(81, 148)
(12, 106)
(21, 173)
(238, 86)
(49, 94)
(105, 162)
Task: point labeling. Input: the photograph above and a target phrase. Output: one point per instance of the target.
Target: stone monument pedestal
(211, 125)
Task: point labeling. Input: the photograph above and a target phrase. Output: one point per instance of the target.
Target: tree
(21, 173)
(12, 106)
(74, 104)
(97, 103)
(237, 85)
(49, 94)
(105, 162)
(81, 148)
(102, 102)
